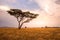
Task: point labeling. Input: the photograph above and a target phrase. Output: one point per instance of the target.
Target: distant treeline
(49, 27)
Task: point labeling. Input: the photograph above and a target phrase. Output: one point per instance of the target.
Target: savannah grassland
(30, 34)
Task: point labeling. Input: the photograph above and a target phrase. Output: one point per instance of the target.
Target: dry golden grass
(30, 34)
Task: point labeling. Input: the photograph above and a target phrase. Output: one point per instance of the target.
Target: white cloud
(4, 7)
(51, 11)
(48, 5)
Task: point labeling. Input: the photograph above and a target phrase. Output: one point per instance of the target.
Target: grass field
(30, 34)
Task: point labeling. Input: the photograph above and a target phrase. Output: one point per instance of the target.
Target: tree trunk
(19, 25)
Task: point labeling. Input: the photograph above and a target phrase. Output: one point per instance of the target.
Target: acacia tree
(22, 17)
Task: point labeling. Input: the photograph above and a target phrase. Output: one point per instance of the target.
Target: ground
(30, 34)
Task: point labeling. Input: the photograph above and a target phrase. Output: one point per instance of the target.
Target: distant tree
(22, 17)
(46, 26)
(25, 27)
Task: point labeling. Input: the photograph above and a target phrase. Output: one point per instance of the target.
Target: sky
(48, 10)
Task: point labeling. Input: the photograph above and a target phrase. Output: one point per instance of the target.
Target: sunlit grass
(30, 34)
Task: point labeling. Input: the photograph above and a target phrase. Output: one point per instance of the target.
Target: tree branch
(27, 20)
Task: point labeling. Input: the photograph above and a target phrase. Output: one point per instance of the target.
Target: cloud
(5, 8)
(48, 10)
(49, 6)
(7, 1)
(57, 2)
(10, 3)
(13, 1)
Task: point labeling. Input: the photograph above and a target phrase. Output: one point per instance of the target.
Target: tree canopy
(22, 17)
